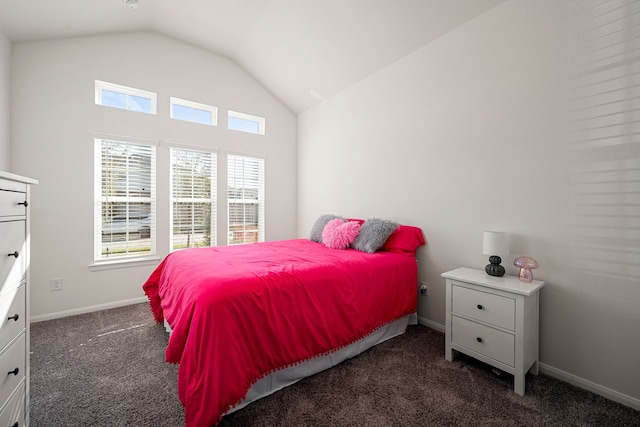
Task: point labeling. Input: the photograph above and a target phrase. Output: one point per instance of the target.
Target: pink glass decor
(526, 264)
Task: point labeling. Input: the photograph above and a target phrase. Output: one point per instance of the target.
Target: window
(246, 123)
(245, 197)
(126, 98)
(125, 199)
(193, 195)
(193, 112)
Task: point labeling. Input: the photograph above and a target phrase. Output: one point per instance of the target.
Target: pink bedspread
(241, 312)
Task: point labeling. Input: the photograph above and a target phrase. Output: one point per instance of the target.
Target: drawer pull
(15, 254)
(14, 372)
(14, 317)
(480, 307)
(25, 203)
(479, 339)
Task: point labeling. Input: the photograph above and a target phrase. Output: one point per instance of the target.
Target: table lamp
(494, 243)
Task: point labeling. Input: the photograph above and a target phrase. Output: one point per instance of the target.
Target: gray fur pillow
(318, 226)
(373, 234)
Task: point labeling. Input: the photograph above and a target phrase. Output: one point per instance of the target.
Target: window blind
(245, 198)
(193, 198)
(125, 199)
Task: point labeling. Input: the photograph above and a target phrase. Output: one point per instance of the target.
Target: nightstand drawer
(482, 339)
(485, 307)
(13, 358)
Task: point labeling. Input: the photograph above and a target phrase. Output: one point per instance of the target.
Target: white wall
(54, 115)
(5, 97)
(469, 134)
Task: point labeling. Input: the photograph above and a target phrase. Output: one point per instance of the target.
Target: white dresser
(14, 299)
(493, 319)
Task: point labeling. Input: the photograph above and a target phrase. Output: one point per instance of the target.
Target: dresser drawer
(12, 309)
(13, 358)
(485, 307)
(13, 412)
(12, 268)
(9, 203)
(482, 339)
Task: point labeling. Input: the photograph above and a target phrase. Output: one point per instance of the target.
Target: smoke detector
(133, 4)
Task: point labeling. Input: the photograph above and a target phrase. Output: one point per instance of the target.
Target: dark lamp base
(495, 269)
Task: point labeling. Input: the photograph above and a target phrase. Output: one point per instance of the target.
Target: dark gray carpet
(107, 369)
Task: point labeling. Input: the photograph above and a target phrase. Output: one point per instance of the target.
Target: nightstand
(493, 319)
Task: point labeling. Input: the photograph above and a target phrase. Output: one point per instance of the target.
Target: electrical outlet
(424, 288)
(56, 284)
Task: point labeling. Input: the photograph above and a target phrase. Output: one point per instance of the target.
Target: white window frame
(248, 117)
(212, 200)
(126, 90)
(260, 201)
(194, 106)
(99, 198)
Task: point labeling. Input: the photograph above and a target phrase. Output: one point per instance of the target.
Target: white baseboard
(89, 309)
(591, 386)
(431, 324)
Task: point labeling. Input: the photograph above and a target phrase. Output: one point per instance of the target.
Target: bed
(246, 320)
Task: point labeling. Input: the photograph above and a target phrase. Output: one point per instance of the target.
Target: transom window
(190, 111)
(193, 198)
(126, 98)
(125, 199)
(246, 123)
(245, 198)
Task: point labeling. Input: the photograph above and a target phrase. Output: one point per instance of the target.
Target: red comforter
(241, 312)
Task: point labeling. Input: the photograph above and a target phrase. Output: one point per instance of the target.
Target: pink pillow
(404, 240)
(338, 234)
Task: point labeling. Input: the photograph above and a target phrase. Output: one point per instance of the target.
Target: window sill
(123, 263)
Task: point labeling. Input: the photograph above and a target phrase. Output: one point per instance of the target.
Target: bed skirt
(288, 376)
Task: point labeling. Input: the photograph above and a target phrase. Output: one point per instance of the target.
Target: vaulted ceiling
(303, 51)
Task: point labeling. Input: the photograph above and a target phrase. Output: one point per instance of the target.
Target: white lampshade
(495, 243)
